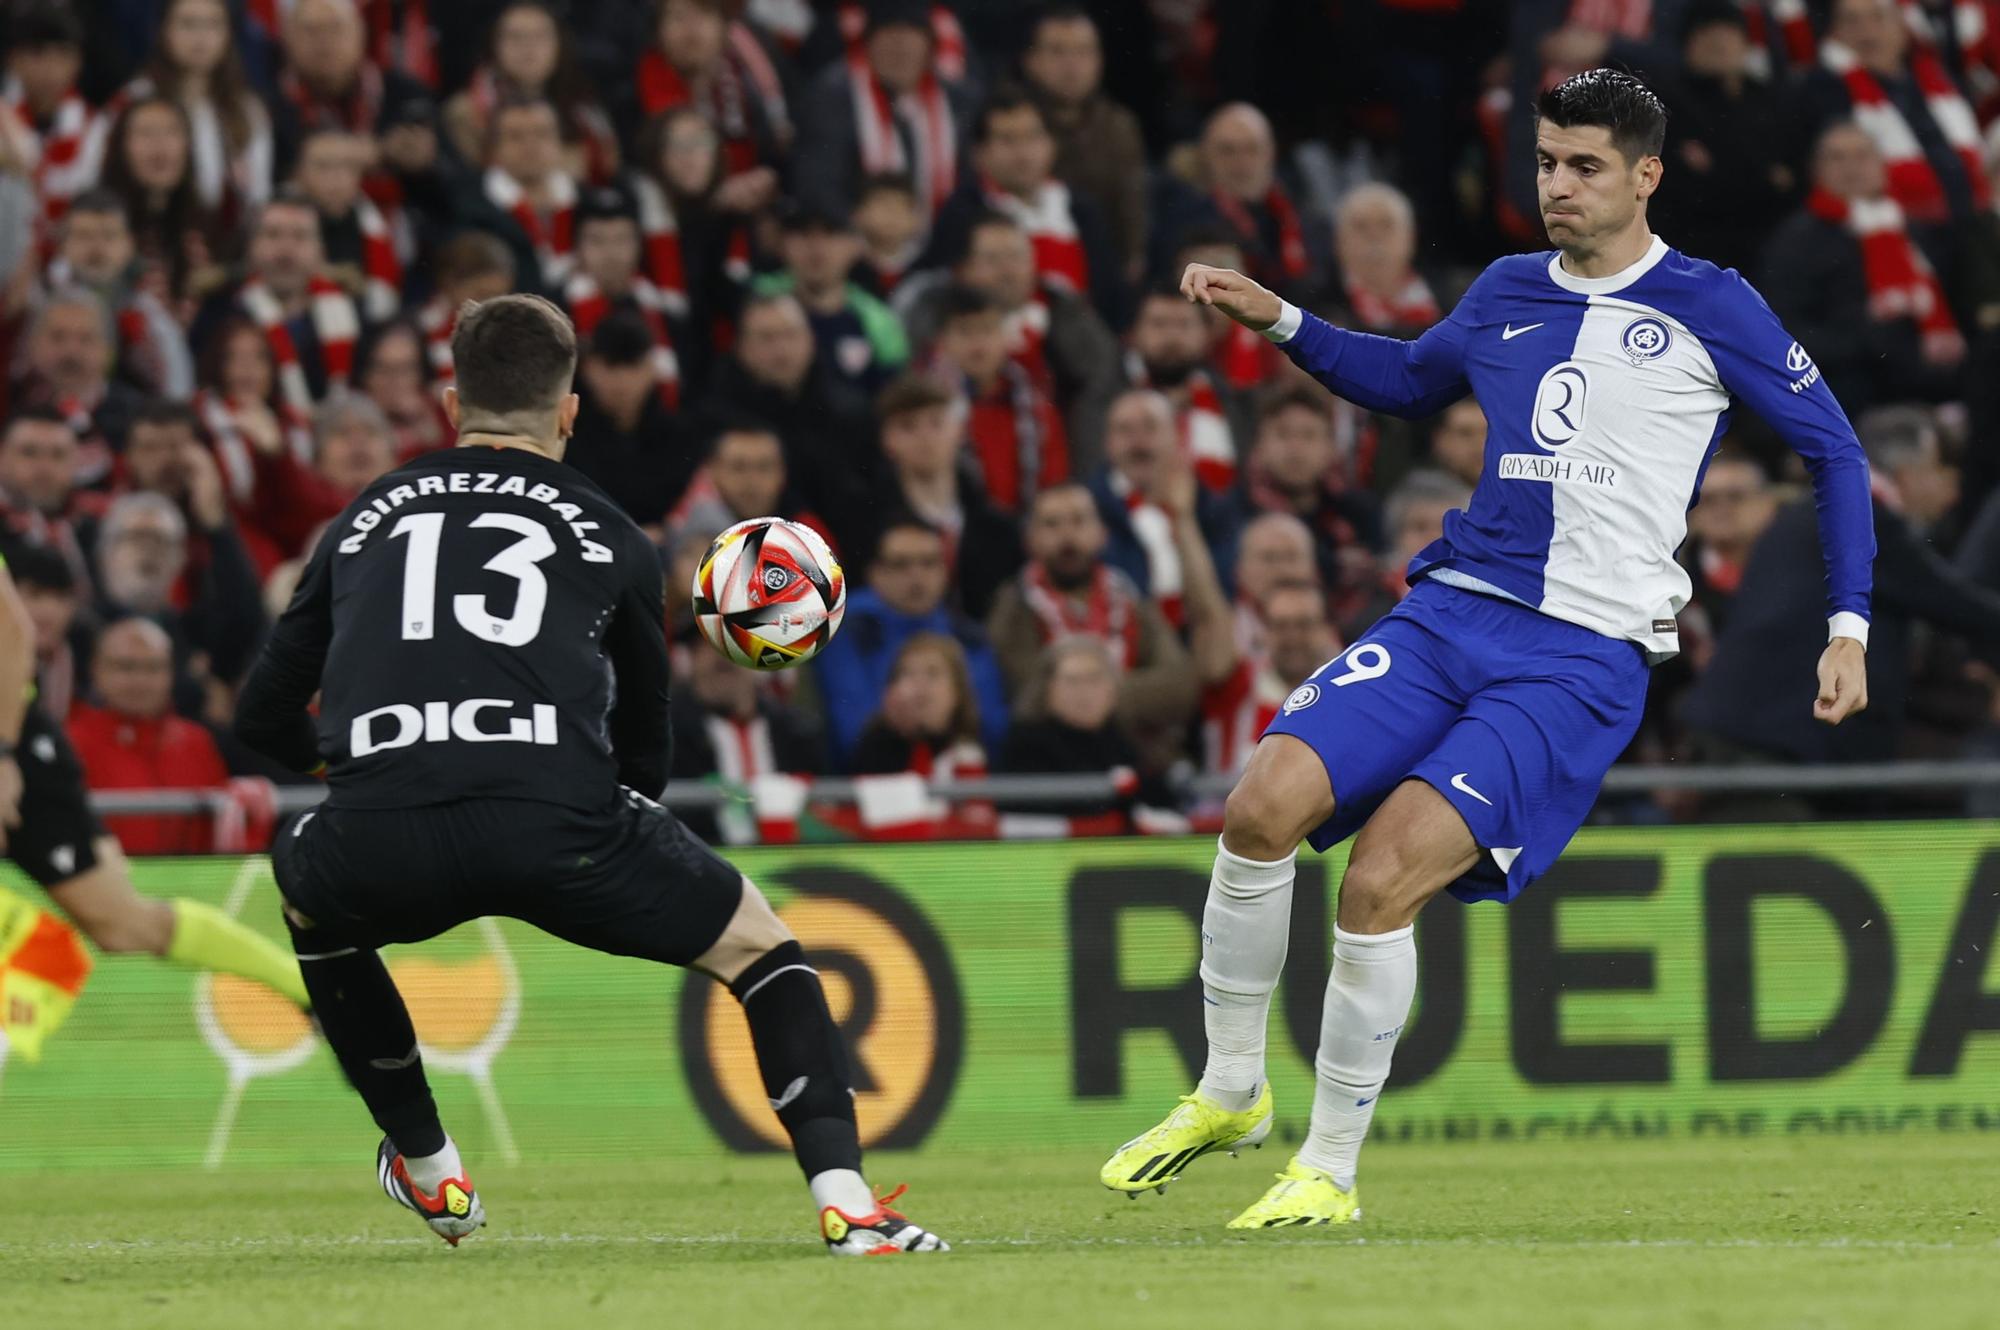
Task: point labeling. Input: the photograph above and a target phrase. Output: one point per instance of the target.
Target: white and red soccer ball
(769, 594)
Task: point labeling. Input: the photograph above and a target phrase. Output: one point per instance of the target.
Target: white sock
(1368, 998)
(432, 1171)
(844, 1190)
(1245, 929)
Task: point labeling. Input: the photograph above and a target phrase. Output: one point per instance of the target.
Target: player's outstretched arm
(271, 715)
(1398, 378)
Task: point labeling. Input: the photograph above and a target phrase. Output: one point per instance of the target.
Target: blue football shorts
(1512, 716)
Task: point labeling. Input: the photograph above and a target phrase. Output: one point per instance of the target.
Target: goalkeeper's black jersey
(481, 623)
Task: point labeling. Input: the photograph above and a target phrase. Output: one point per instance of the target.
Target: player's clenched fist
(1232, 293)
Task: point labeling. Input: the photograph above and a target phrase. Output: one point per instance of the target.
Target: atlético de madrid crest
(1645, 339)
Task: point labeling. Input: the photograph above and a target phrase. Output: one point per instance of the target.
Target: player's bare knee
(753, 931)
(1380, 891)
(1283, 795)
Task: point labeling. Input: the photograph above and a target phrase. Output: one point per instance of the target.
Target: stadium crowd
(905, 272)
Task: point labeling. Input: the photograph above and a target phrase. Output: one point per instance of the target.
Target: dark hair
(964, 723)
(38, 415)
(34, 27)
(228, 87)
(1620, 103)
(472, 254)
(622, 338)
(567, 89)
(164, 412)
(1707, 13)
(745, 426)
(213, 353)
(513, 353)
(370, 346)
(1164, 289)
(888, 182)
(1064, 11)
(42, 568)
(158, 233)
(959, 301)
(97, 199)
(1004, 98)
(1286, 396)
(910, 394)
(978, 222)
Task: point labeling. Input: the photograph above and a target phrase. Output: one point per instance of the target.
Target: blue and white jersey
(1605, 398)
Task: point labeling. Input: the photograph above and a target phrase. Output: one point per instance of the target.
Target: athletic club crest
(1645, 339)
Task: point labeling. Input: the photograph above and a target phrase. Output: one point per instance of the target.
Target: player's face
(1018, 152)
(1066, 537)
(608, 252)
(97, 245)
(1296, 448)
(1083, 690)
(909, 571)
(38, 464)
(1588, 190)
(749, 473)
(525, 46)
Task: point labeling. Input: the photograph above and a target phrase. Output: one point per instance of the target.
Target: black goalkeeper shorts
(630, 880)
(57, 838)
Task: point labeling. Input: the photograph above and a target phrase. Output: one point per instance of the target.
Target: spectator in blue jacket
(905, 596)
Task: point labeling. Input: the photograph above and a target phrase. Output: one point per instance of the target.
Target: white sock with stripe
(432, 1171)
(1245, 929)
(1368, 997)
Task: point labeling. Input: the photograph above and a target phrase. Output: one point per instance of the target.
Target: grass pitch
(1832, 1232)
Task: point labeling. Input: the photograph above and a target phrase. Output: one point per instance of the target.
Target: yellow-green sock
(207, 939)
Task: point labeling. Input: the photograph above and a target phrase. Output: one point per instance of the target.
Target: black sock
(368, 1027)
(801, 1056)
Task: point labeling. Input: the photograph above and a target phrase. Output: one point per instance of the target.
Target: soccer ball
(769, 594)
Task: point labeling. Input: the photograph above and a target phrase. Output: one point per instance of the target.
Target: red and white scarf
(662, 235)
(744, 71)
(1293, 261)
(1247, 359)
(1411, 307)
(947, 37)
(1027, 333)
(1796, 39)
(584, 123)
(403, 42)
(357, 112)
(235, 454)
(588, 305)
(439, 319)
(381, 266)
(1040, 453)
(1912, 180)
(1630, 19)
(553, 234)
(334, 319)
(60, 159)
(1901, 284)
(1153, 528)
(1236, 712)
(1110, 610)
(1059, 253)
(927, 113)
(1206, 439)
(1974, 39)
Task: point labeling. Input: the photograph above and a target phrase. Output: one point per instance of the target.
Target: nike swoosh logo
(1363, 1103)
(1458, 783)
(1510, 332)
(792, 1091)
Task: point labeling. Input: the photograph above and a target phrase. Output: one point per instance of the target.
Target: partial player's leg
(1343, 741)
(1414, 847)
(657, 892)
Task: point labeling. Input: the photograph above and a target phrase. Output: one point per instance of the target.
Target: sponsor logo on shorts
(1558, 470)
(1302, 697)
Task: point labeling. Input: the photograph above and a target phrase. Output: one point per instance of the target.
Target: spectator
(904, 599)
(1245, 360)
(1896, 90)
(1017, 438)
(776, 376)
(68, 369)
(1727, 143)
(1242, 694)
(1169, 352)
(626, 440)
(194, 61)
(1099, 150)
(1274, 548)
(309, 322)
(525, 196)
(1847, 279)
(859, 339)
(700, 56)
(1238, 166)
(1375, 244)
(356, 445)
(38, 483)
(361, 251)
(49, 591)
(1053, 334)
(471, 267)
(610, 276)
(890, 110)
(243, 412)
(329, 82)
(1458, 441)
(1013, 158)
(1069, 725)
(1744, 705)
(390, 371)
(725, 728)
(528, 56)
(891, 227)
(1067, 589)
(744, 478)
(132, 740)
(1413, 517)
(929, 719)
(1298, 465)
(1133, 493)
(149, 166)
(177, 559)
(923, 427)
(49, 127)
(97, 254)
(1735, 508)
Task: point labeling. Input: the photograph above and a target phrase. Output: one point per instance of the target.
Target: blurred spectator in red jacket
(1017, 437)
(131, 740)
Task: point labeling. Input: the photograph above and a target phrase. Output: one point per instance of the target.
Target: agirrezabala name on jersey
(477, 482)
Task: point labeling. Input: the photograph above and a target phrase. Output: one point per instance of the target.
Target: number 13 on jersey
(425, 532)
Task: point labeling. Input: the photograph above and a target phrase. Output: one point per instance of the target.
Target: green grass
(1863, 1232)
